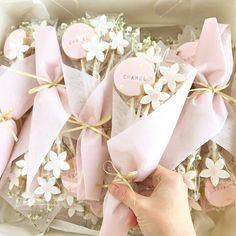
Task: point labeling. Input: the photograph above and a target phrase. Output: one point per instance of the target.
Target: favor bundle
(90, 102)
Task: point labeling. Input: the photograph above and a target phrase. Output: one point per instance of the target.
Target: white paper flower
(57, 163)
(22, 165)
(101, 25)
(154, 95)
(47, 188)
(17, 49)
(171, 76)
(151, 55)
(215, 171)
(188, 176)
(14, 178)
(29, 198)
(118, 42)
(95, 49)
(92, 218)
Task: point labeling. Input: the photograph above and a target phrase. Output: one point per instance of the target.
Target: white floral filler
(73, 206)
(80, 209)
(214, 171)
(118, 42)
(14, 178)
(188, 177)
(152, 55)
(22, 165)
(102, 25)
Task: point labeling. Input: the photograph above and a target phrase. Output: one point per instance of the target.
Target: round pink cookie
(222, 195)
(73, 39)
(131, 74)
(12, 43)
(187, 51)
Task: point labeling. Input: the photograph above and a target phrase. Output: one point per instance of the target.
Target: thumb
(124, 194)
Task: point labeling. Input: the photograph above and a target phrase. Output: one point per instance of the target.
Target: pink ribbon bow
(205, 113)
(139, 148)
(50, 108)
(14, 102)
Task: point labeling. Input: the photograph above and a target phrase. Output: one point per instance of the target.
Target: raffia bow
(4, 117)
(119, 178)
(216, 90)
(48, 83)
(83, 125)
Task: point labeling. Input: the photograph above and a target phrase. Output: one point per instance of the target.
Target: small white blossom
(47, 188)
(75, 208)
(188, 176)
(92, 218)
(22, 164)
(17, 49)
(171, 76)
(151, 55)
(29, 198)
(72, 206)
(118, 42)
(14, 178)
(154, 95)
(101, 25)
(57, 163)
(95, 49)
(215, 171)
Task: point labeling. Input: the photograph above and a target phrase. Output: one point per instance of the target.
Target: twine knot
(48, 83)
(118, 177)
(215, 90)
(4, 117)
(83, 125)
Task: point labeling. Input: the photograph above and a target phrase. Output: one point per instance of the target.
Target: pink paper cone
(50, 109)
(92, 147)
(204, 116)
(139, 148)
(14, 95)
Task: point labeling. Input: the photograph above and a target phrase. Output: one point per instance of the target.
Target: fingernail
(113, 189)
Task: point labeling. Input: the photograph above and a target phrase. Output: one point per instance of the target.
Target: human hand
(164, 211)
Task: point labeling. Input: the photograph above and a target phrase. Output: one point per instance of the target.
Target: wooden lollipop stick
(132, 102)
(72, 148)
(109, 64)
(82, 65)
(214, 151)
(58, 145)
(146, 111)
(139, 110)
(96, 65)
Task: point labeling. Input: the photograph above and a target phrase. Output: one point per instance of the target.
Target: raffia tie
(4, 117)
(216, 90)
(83, 125)
(118, 177)
(48, 83)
